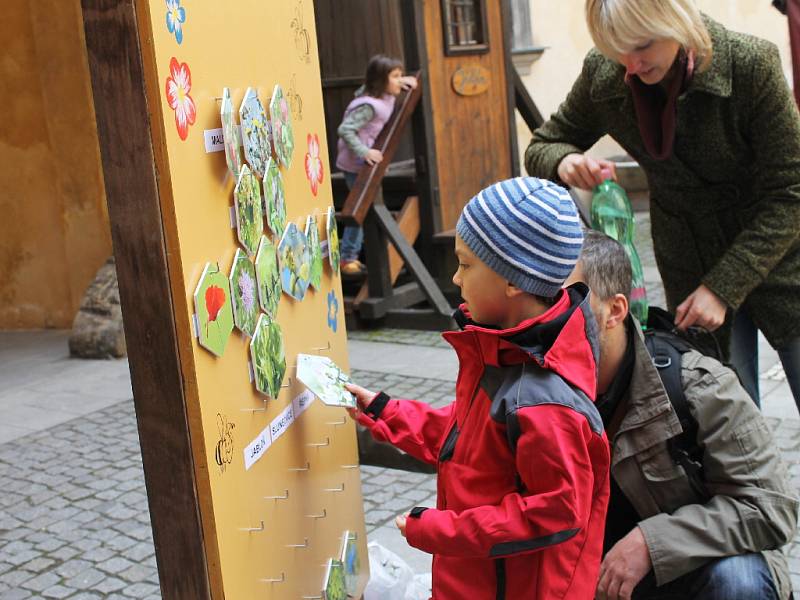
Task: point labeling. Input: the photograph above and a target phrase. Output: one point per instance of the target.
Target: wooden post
(140, 248)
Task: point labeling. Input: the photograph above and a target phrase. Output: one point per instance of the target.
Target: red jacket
(522, 461)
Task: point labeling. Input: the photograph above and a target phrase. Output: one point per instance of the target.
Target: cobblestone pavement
(400, 336)
(74, 521)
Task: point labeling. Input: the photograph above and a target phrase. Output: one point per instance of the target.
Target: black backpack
(666, 345)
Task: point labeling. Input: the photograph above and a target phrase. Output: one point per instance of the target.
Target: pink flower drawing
(314, 167)
(179, 84)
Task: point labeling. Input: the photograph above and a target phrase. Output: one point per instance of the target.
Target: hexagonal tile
(334, 256)
(282, 134)
(256, 132)
(212, 307)
(268, 277)
(335, 584)
(312, 235)
(275, 199)
(230, 134)
(268, 357)
(249, 215)
(244, 293)
(294, 259)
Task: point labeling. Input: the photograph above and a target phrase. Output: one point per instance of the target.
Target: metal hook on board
(296, 469)
(311, 597)
(322, 516)
(327, 442)
(286, 385)
(334, 490)
(337, 423)
(284, 497)
(255, 410)
(320, 349)
(350, 466)
(273, 580)
(303, 545)
(252, 529)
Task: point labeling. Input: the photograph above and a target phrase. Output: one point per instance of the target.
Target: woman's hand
(373, 156)
(584, 172)
(363, 399)
(702, 307)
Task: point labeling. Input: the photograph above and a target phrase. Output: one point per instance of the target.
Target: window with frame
(464, 24)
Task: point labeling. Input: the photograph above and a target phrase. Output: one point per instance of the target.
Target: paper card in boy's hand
(321, 375)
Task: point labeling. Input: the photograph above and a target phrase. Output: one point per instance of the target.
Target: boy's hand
(408, 82)
(400, 521)
(373, 156)
(363, 398)
(584, 172)
(624, 567)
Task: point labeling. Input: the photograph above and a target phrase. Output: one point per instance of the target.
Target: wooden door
(473, 134)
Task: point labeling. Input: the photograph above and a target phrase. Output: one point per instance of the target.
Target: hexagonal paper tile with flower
(294, 258)
(268, 277)
(212, 307)
(255, 132)
(268, 356)
(230, 134)
(282, 134)
(244, 293)
(275, 199)
(249, 215)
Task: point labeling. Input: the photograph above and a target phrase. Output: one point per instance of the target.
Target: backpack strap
(666, 351)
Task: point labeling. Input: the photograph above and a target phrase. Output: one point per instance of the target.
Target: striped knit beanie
(525, 229)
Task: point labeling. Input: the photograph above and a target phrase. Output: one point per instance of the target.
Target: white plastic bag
(391, 578)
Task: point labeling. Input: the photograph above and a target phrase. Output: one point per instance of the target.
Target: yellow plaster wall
(54, 230)
(561, 28)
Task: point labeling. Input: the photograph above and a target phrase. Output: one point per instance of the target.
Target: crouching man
(667, 534)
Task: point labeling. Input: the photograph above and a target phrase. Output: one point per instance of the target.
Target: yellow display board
(269, 530)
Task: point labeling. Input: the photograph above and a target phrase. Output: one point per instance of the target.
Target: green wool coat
(725, 207)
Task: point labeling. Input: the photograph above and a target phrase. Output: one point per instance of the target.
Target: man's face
(483, 290)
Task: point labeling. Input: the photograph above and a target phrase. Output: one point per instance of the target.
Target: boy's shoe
(352, 267)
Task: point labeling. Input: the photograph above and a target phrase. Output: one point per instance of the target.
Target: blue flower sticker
(333, 311)
(176, 15)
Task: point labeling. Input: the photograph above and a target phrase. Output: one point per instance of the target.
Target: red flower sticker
(179, 84)
(314, 167)
(215, 300)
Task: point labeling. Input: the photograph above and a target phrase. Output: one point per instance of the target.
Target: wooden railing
(368, 183)
(525, 105)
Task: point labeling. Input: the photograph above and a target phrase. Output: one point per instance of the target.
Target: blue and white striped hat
(525, 229)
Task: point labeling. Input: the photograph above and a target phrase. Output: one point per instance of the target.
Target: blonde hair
(619, 26)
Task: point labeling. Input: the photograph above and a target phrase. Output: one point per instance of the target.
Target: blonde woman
(708, 115)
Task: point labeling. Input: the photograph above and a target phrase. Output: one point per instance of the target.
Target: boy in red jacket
(521, 455)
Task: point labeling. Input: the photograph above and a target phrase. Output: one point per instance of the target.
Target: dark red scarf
(657, 107)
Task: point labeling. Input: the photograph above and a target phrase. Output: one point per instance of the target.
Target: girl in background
(363, 120)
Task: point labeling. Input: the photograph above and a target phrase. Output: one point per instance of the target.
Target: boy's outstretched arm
(563, 466)
(414, 427)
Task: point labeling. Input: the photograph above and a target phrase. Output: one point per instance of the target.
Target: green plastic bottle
(612, 214)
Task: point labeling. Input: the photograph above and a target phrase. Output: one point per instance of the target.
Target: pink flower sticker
(314, 168)
(179, 84)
